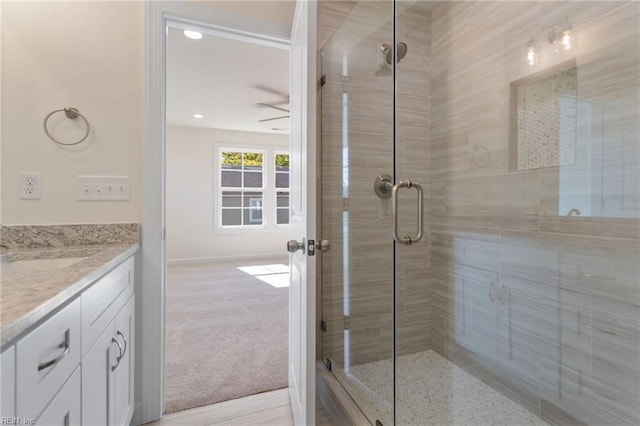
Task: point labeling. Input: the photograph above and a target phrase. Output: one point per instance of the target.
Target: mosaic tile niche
(546, 120)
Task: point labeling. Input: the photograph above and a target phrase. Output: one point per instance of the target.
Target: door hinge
(327, 363)
(345, 204)
(311, 247)
(323, 325)
(322, 81)
(346, 322)
(163, 234)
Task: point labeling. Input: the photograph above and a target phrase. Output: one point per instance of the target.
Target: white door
(302, 292)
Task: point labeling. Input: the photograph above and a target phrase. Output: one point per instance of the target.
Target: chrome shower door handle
(408, 240)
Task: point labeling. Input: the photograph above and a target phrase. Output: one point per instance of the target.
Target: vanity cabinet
(77, 367)
(8, 382)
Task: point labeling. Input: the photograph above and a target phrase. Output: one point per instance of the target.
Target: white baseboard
(266, 256)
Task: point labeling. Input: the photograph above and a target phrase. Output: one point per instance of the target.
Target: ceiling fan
(274, 105)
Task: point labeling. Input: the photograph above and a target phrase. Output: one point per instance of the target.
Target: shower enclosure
(519, 122)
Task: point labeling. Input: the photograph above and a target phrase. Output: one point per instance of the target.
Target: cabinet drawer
(103, 300)
(46, 357)
(65, 407)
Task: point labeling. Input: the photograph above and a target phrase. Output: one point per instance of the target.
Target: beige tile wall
(548, 305)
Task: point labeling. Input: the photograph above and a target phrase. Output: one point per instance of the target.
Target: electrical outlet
(104, 188)
(30, 186)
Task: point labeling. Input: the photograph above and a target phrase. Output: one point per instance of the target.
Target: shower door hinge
(323, 325)
(327, 363)
(346, 322)
(322, 81)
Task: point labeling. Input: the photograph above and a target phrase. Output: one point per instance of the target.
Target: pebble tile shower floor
(434, 391)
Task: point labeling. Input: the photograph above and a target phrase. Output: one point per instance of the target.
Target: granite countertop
(30, 293)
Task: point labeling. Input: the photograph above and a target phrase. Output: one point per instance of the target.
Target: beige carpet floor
(226, 335)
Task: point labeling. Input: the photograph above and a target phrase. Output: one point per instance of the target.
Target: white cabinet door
(478, 317)
(97, 390)
(108, 373)
(8, 382)
(123, 375)
(64, 410)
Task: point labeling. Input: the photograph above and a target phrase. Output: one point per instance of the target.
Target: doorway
(227, 211)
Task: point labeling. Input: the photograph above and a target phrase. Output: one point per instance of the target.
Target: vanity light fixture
(194, 35)
(532, 54)
(561, 37)
(198, 116)
(566, 39)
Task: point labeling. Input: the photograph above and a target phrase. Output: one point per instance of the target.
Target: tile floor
(264, 409)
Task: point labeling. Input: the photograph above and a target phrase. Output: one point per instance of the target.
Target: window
(252, 188)
(241, 184)
(282, 188)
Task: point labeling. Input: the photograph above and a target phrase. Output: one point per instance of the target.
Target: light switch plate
(104, 188)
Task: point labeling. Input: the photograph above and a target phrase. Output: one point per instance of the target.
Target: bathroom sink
(38, 265)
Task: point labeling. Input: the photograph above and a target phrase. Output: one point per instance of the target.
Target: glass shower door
(413, 273)
(357, 146)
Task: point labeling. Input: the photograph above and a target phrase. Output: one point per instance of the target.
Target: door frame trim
(150, 281)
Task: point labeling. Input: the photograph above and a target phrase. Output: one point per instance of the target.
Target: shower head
(387, 51)
(387, 54)
(402, 51)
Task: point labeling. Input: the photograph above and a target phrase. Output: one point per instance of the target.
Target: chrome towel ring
(71, 113)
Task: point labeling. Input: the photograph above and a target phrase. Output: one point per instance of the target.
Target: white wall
(190, 191)
(82, 54)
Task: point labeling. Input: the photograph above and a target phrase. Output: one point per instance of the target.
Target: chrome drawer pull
(119, 357)
(63, 345)
(125, 346)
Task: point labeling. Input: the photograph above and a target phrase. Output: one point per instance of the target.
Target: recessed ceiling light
(198, 116)
(193, 34)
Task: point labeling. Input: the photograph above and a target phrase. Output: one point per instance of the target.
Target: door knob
(293, 246)
(323, 245)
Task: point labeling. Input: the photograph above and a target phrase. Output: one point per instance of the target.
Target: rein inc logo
(17, 421)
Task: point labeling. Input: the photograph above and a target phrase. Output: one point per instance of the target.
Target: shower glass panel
(533, 266)
(520, 121)
(357, 145)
